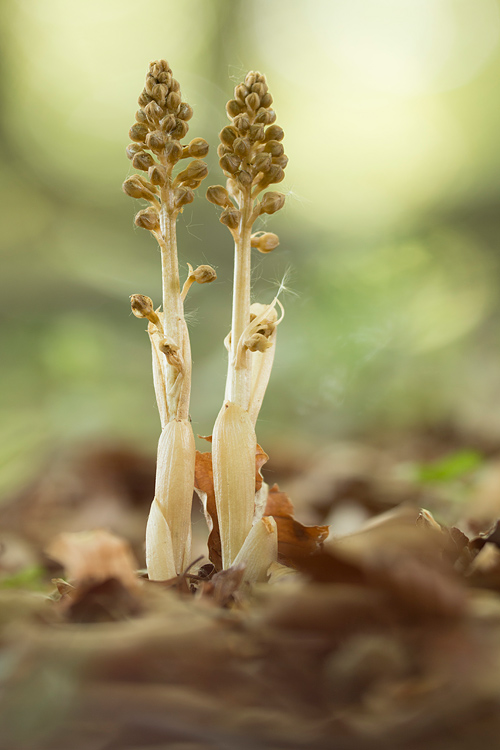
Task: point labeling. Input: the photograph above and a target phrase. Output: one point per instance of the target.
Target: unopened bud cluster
(161, 124)
(264, 321)
(251, 154)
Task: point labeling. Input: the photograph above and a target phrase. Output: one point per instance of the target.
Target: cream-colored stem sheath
(259, 551)
(233, 458)
(262, 364)
(160, 366)
(168, 533)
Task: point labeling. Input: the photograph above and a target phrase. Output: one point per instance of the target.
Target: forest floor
(384, 633)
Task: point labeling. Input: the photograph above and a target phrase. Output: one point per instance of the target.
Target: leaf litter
(387, 636)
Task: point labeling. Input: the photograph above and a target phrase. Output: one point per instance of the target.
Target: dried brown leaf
(294, 539)
(396, 554)
(204, 486)
(224, 585)
(95, 556)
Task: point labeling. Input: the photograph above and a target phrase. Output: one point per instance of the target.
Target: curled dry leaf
(223, 587)
(204, 487)
(399, 555)
(95, 556)
(294, 539)
(102, 569)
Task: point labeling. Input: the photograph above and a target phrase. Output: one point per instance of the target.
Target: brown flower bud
(140, 116)
(157, 175)
(168, 346)
(182, 196)
(173, 152)
(244, 178)
(253, 102)
(265, 117)
(173, 101)
(142, 307)
(240, 93)
(256, 133)
(265, 241)
(242, 123)
(260, 88)
(281, 161)
(171, 351)
(198, 147)
(165, 77)
(271, 202)
(227, 135)
(222, 150)
(159, 67)
(230, 218)
(147, 219)
(274, 133)
(159, 93)
(142, 160)
(138, 188)
(233, 108)
(275, 148)
(153, 112)
(144, 98)
(196, 170)
(185, 112)
(133, 149)
(204, 274)
(241, 147)
(168, 123)
(175, 86)
(262, 162)
(138, 132)
(230, 163)
(257, 343)
(275, 174)
(180, 129)
(218, 195)
(156, 141)
(266, 101)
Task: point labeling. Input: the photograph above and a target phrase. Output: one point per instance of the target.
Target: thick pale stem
(173, 313)
(239, 376)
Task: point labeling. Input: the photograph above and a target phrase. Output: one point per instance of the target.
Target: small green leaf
(452, 467)
(30, 578)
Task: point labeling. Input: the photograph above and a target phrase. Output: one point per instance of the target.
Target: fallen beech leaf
(95, 556)
(294, 539)
(105, 601)
(204, 487)
(484, 571)
(400, 555)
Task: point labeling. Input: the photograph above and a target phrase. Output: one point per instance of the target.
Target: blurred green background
(389, 237)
